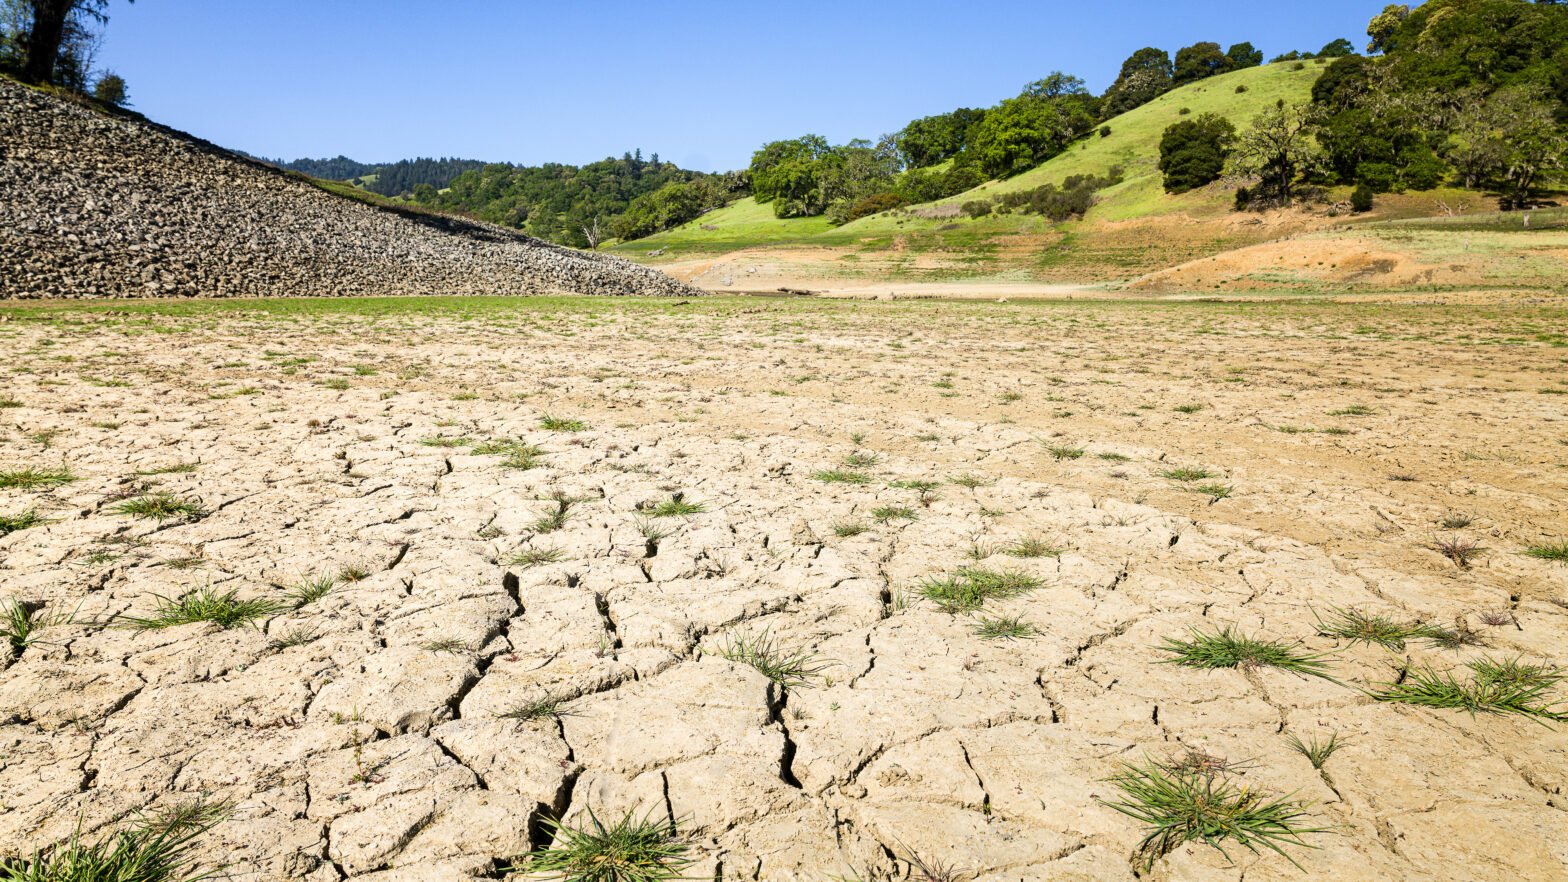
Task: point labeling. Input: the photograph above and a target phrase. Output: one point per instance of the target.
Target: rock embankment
(97, 206)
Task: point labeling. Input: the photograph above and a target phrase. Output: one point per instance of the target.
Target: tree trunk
(43, 43)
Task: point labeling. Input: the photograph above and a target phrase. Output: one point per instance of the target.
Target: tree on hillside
(1199, 61)
(1278, 149)
(933, 139)
(52, 27)
(1145, 76)
(110, 89)
(1025, 131)
(1339, 48)
(1242, 56)
(1383, 25)
(1193, 152)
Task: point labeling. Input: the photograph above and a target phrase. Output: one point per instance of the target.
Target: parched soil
(373, 732)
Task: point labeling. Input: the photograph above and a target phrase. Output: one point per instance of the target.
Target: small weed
(534, 557)
(1004, 628)
(1187, 474)
(554, 518)
(653, 533)
(561, 424)
(1459, 549)
(861, 460)
(1187, 408)
(969, 482)
(311, 590)
(842, 476)
(1032, 546)
(547, 707)
(675, 507)
(179, 468)
(224, 609)
(1314, 749)
(1060, 452)
(1456, 521)
(161, 505)
(449, 645)
(1457, 637)
(969, 588)
(1113, 457)
(1227, 648)
(19, 625)
(789, 668)
(29, 478)
(847, 529)
(9, 402)
(633, 849)
(353, 573)
(149, 849)
(1353, 410)
(1215, 490)
(446, 441)
(1359, 626)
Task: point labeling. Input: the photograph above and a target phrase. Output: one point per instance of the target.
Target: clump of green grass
(1181, 805)
(847, 529)
(969, 482)
(10, 523)
(294, 637)
(968, 589)
(861, 460)
(1060, 452)
(308, 591)
(1187, 408)
(1557, 551)
(223, 609)
(561, 424)
(1215, 490)
(449, 645)
(787, 667)
(352, 572)
(1508, 686)
(675, 507)
(1032, 546)
(178, 468)
(1187, 474)
(446, 441)
(543, 708)
(149, 849)
(886, 513)
(1114, 457)
(30, 478)
(9, 402)
(1228, 648)
(534, 557)
(1360, 626)
(633, 849)
(1456, 521)
(1316, 750)
(160, 505)
(1004, 628)
(19, 626)
(554, 518)
(842, 476)
(653, 533)
(1353, 410)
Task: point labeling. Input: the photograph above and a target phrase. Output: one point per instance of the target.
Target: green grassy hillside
(1133, 144)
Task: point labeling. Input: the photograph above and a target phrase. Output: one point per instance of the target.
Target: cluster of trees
(338, 168)
(1468, 92)
(56, 42)
(401, 178)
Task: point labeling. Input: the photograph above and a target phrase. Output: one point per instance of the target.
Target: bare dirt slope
(100, 206)
(381, 445)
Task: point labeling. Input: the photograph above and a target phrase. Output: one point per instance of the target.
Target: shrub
(977, 208)
(1105, 131)
(1241, 88)
(1243, 198)
(1361, 199)
(111, 89)
(1184, 111)
(875, 204)
(1193, 152)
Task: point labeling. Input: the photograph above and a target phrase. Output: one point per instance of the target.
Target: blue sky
(701, 83)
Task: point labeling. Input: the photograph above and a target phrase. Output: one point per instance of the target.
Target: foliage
(1193, 151)
(1361, 198)
(1200, 61)
(1145, 76)
(149, 849)
(1072, 199)
(932, 139)
(1243, 55)
(1279, 149)
(874, 204)
(633, 849)
(1025, 131)
(110, 89)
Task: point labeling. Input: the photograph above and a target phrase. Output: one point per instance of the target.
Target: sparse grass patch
(554, 518)
(294, 637)
(787, 667)
(861, 460)
(633, 849)
(969, 482)
(178, 468)
(1459, 549)
(1004, 628)
(449, 645)
(10, 523)
(19, 625)
(675, 507)
(148, 849)
(1227, 648)
(446, 441)
(561, 424)
(1032, 546)
(31, 478)
(968, 589)
(1113, 457)
(308, 591)
(160, 505)
(1495, 687)
(543, 708)
(888, 513)
(534, 557)
(1360, 626)
(1060, 452)
(352, 572)
(1177, 806)
(1316, 750)
(1187, 474)
(841, 476)
(223, 609)
(847, 529)
(1455, 521)
(1187, 408)
(1353, 410)
(1557, 551)
(1215, 490)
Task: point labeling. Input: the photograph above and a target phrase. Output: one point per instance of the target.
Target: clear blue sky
(701, 83)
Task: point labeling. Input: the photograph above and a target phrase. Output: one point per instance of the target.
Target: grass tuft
(1508, 686)
(29, 478)
(149, 849)
(311, 590)
(534, 557)
(1459, 549)
(561, 424)
(886, 513)
(1316, 750)
(1359, 626)
(1187, 473)
(1228, 648)
(675, 507)
(1557, 551)
(224, 609)
(160, 505)
(19, 626)
(847, 529)
(842, 476)
(548, 707)
(1181, 805)
(969, 588)
(1004, 628)
(787, 667)
(1032, 546)
(10, 523)
(633, 849)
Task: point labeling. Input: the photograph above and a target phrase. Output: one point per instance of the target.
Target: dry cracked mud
(363, 734)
